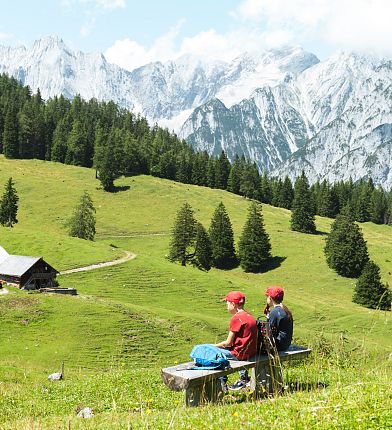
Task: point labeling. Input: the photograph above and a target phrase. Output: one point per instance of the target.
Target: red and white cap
(235, 297)
(275, 292)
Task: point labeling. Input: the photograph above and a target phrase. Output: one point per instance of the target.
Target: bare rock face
(283, 108)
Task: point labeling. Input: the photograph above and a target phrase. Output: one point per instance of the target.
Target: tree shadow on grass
(120, 188)
(273, 263)
(116, 189)
(321, 233)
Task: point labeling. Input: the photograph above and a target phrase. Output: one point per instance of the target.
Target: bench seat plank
(180, 377)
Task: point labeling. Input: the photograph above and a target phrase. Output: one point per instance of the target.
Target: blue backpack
(209, 357)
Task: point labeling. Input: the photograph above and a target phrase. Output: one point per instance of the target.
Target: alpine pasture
(130, 320)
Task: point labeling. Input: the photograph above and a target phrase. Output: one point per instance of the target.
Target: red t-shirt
(245, 342)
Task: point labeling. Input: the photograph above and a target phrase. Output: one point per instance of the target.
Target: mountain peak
(47, 42)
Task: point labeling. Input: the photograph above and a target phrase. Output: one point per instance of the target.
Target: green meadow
(130, 320)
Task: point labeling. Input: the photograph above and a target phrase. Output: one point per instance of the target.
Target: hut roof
(17, 265)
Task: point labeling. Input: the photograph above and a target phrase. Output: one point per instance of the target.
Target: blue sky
(133, 32)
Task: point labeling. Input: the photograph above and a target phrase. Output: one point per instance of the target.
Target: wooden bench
(202, 386)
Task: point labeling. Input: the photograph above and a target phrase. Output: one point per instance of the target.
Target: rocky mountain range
(282, 108)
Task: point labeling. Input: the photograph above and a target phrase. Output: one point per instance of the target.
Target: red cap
(235, 297)
(275, 292)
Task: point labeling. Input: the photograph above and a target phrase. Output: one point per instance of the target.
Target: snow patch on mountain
(282, 108)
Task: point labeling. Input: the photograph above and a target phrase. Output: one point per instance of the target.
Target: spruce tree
(9, 205)
(286, 194)
(362, 199)
(378, 207)
(82, 223)
(345, 249)
(183, 236)
(222, 239)
(250, 181)
(265, 189)
(327, 202)
(211, 174)
(303, 211)
(369, 291)
(108, 162)
(76, 145)
(222, 171)
(254, 245)
(203, 250)
(60, 137)
(234, 180)
(10, 133)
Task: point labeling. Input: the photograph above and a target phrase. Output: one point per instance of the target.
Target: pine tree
(265, 189)
(370, 291)
(203, 250)
(254, 245)
(82, 222)
(76, 145)
(222, 239)
(222, 171)
(345, 249)
(9, 205)
(362, 202)
(303, 211)
(199, 168)
(250, 181)
(234, 180)
(108, 163)
(10, 134)
(183, 236)
(286, 194)
(378, 207)
(276, 189)
(211, 176)
(327, 202)
(60, 137)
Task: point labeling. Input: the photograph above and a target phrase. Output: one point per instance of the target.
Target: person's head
(274, 295)
(235, 300)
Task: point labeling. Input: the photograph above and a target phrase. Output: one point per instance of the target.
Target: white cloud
(129, 54)
(251, 9)
(363, 25)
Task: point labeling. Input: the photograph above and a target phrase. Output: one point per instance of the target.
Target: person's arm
(228, 342)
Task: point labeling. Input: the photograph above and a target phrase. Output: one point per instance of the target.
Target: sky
(132, 33)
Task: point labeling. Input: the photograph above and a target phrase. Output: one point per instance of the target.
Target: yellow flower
(235, 414)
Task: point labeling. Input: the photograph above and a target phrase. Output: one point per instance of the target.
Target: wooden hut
(30, 273)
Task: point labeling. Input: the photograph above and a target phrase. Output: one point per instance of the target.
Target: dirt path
(127, 257)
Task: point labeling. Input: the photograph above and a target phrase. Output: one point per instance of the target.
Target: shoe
(238, 385)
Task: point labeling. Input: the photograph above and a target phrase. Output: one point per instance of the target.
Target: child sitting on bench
(241, 342)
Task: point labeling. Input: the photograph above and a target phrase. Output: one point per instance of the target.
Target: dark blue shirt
(281, 327)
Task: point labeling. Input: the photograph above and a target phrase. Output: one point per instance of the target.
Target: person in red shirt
(241, 342)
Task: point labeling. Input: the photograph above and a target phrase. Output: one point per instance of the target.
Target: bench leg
(266, 379)
(209, 392)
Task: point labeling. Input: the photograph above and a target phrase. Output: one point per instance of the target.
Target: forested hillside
(116, 142)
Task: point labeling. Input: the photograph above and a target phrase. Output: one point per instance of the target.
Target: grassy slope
(149, 307)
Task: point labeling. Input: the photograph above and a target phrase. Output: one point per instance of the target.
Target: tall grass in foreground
(336, 388)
